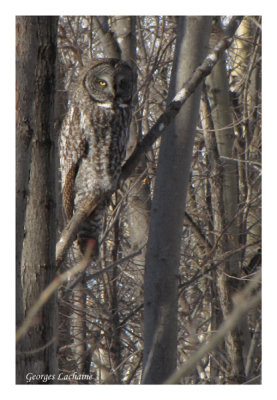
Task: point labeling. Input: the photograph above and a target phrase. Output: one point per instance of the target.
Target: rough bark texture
(162, 260)
(36, 187)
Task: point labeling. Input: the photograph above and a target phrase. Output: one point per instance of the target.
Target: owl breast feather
(107, 137)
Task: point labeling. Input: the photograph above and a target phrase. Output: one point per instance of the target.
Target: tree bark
(138, 206)
(225, 205)
(163, 252)
(36, 190)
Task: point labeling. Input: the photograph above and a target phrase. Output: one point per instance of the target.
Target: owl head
(109, 82)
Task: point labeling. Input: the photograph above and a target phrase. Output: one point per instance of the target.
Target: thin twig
(50, 290)
(60, 279)
(97, 273)
(39, 349)
(69, 233)
(181, 97)
(243, 303)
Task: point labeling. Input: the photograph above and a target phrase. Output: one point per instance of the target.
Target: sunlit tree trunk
(247, 60)
(162, 260)
(225, 203)
(137, 186)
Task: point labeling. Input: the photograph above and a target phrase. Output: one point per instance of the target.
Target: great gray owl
(94, 138)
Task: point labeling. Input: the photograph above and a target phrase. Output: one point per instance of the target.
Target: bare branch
(243, 303)
(181, 97)
(60, 279)
(48, 292)
(97, 273)
(70, 231)
(108, 42)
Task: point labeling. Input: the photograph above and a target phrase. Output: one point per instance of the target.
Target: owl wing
(73, 147)
(68, 191)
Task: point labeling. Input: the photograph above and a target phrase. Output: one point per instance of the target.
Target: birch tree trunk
(225, 205)
(139, 196)
(167, 212)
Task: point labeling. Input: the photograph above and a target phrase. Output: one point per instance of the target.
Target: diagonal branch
(181, 97)
(59, 280)
(107, 40)
(69, 233)
(48, 292)
(248, 298)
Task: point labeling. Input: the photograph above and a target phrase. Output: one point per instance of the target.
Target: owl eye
(102, 83)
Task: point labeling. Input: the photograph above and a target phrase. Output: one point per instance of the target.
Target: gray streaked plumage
(94, 138)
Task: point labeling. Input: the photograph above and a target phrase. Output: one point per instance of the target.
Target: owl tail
(91, 230)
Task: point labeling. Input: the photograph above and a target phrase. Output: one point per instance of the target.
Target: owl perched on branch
(94, 138)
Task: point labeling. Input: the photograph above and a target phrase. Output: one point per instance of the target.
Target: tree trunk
(163, 252)
(225, 205)
(138, 192)
(36, 190)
